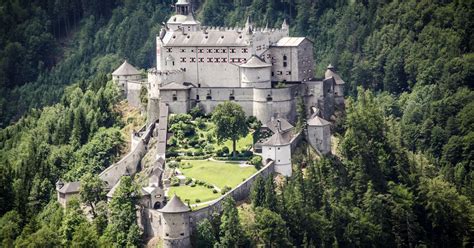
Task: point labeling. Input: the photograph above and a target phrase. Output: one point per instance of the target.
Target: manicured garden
(219, 173)
(207, 180)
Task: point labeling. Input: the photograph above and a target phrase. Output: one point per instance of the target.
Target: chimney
(279, 125)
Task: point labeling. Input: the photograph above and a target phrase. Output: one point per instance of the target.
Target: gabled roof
(69, 188)
(126, 69)
(278, 139)
(290, 41)
(174, 86)
(284, 125)
(175, 205)
(255, 62)
(331, 72)
(318, 121)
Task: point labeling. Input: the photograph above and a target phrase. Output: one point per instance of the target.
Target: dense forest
(403, 175)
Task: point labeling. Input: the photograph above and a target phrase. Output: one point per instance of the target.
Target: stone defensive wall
(239, 193)
(151, 219)
(130, 163)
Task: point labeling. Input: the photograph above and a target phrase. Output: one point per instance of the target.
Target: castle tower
(183, 7)
(319, 134)
(278, 149)
(175, 224)
(339, 85)
(255, 73)
(129, 80)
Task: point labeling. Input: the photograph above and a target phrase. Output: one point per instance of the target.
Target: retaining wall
(239, 193)
(130, 162)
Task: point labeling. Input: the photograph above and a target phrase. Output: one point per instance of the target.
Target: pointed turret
(284, 25)
(248, 26)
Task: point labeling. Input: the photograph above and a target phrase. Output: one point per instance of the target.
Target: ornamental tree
(230, 123)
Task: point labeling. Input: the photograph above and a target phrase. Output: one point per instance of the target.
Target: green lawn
(193, 193)
(218, 173)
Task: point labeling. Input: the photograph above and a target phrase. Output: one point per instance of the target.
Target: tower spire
(284, 25)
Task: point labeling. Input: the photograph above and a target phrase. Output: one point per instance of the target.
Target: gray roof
(255, 62)
(174, 86)
(290, 41)
(69, 188)
(175, 205)
(279, 139)
(285, 125)
(331, 72)
(177, 19)
(182, 2)
(318, 121)
(126, 69)
(212, 38)
(190, 20)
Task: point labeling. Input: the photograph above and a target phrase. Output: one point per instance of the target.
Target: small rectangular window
(216, 60)
(201, 59)
(245, 50)
(209, 50)
(169, 49)
(224, 50)
(182, 50)
(193, 60)
(209, 60)
(182, 59)
(232, 50)
(284, 64)
(279, 73)
(224, 60)
(200, 50)
(288, 72)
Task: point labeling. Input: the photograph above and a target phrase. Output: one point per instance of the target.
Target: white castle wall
(129, 163)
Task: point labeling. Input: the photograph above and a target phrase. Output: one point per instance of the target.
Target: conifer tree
(258, 192)
(270, 197)
(231, 233)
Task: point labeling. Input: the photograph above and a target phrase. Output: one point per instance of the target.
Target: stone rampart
(239, 193)
(130, 163)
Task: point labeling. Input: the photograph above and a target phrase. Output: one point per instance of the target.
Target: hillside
(403, 176)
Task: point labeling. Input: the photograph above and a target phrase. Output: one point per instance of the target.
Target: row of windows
(209, 97)
(210, 50)
(211, 60)
(279, 73)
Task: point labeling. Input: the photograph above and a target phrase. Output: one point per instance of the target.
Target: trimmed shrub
(214, 191)
(186, 166)
(198, 200)
(173, 164)
(225, 189)
(174, 182)
(257, 162)
(188, 181)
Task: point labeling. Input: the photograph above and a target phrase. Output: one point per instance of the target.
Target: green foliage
(257, 193)
(270, 228)
(229, 119)
(92, 191)
(256, 161)
(204, 234)
(123, 229)
(231, 233)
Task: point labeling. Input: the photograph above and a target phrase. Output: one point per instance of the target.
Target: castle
(264, 70)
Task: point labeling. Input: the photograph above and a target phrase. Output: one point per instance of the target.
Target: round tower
(255, 73)
(175, 224)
